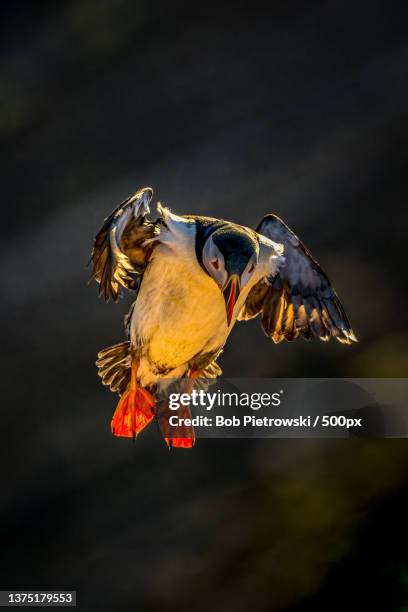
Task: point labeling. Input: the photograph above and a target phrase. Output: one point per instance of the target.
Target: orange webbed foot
(133, 413)
(135, 409)
(180, 442)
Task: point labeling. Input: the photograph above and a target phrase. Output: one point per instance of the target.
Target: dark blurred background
(232, 112)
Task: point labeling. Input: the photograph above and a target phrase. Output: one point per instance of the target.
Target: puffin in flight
(193, 278)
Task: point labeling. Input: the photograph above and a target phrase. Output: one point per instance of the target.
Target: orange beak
(231, 293)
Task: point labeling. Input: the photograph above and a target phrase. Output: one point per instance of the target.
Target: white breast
(179, 313)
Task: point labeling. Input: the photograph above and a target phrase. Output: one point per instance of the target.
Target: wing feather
(299, 299)
(120, 252)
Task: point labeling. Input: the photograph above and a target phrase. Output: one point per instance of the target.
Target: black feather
(308, 294)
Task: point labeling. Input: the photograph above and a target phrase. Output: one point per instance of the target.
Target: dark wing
(120, 251)
(300, 298)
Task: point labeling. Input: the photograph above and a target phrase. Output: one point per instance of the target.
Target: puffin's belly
(179, 312)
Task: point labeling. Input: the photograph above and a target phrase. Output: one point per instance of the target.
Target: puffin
(193, 277)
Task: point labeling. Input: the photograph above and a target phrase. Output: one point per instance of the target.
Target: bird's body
(173, 322)
(164, 320)
(194, 277)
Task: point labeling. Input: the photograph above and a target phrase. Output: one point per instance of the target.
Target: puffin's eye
(251, 268)
(215, 263)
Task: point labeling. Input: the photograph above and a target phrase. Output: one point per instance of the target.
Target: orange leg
(135, 409)
(186, 433)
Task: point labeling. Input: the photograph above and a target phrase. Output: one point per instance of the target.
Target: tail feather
(113, 365)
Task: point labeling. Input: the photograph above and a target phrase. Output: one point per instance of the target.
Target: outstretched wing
(120, 252)
(300, 298)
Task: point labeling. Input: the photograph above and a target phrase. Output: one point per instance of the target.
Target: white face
(214, 263)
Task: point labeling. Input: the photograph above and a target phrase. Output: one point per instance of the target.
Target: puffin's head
(230, 256)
